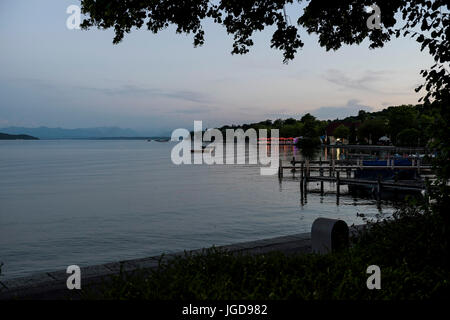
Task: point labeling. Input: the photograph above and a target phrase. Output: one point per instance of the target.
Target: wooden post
(338, 187)
(301, 182)
(307, 167)
(338, 184)
(321, 182)
(280, 169)
(305, 180)
(379, 188)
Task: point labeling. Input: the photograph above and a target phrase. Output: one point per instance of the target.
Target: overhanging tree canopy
(335, 22)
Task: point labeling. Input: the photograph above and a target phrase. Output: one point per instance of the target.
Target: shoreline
(52, 285)
(374, 147)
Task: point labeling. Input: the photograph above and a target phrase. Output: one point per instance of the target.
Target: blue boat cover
(397, 162)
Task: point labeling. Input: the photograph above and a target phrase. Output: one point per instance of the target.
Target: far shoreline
(6, 136)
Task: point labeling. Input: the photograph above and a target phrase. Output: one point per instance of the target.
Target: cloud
(365, 82)
(185, 95)
(332, 112)
(130, 90)
(282, 114)
(195, 110)
(351, 108)
(124, 90)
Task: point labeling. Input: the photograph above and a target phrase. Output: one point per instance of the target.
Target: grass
(408, 248)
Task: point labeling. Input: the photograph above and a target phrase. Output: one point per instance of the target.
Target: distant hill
(5, 136)
(80, 133)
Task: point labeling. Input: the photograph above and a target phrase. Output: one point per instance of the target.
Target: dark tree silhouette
(335, 22)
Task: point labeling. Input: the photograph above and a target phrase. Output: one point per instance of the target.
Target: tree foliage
(372, 130)
(307, 126)
(410, 248)
(342, 132)
(335, 23)
(401, 118)
(408, 137)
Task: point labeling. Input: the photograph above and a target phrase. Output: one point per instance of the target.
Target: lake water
(87, 202)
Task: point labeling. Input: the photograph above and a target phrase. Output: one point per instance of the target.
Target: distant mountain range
(80, 133)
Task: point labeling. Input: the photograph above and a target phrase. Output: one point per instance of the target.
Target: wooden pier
(332, 172)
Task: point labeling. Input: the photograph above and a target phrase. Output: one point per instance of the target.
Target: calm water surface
(88, 202)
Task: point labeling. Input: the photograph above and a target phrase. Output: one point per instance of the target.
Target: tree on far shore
(342, 132)
(408, 138)
(371, 130)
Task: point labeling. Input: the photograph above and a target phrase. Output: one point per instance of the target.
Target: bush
(407, 247)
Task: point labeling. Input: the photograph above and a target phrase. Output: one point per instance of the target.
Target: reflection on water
(88, 202)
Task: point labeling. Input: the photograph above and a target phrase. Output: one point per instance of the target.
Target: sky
(55, 77)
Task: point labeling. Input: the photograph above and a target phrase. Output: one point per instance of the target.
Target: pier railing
(331, 171)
